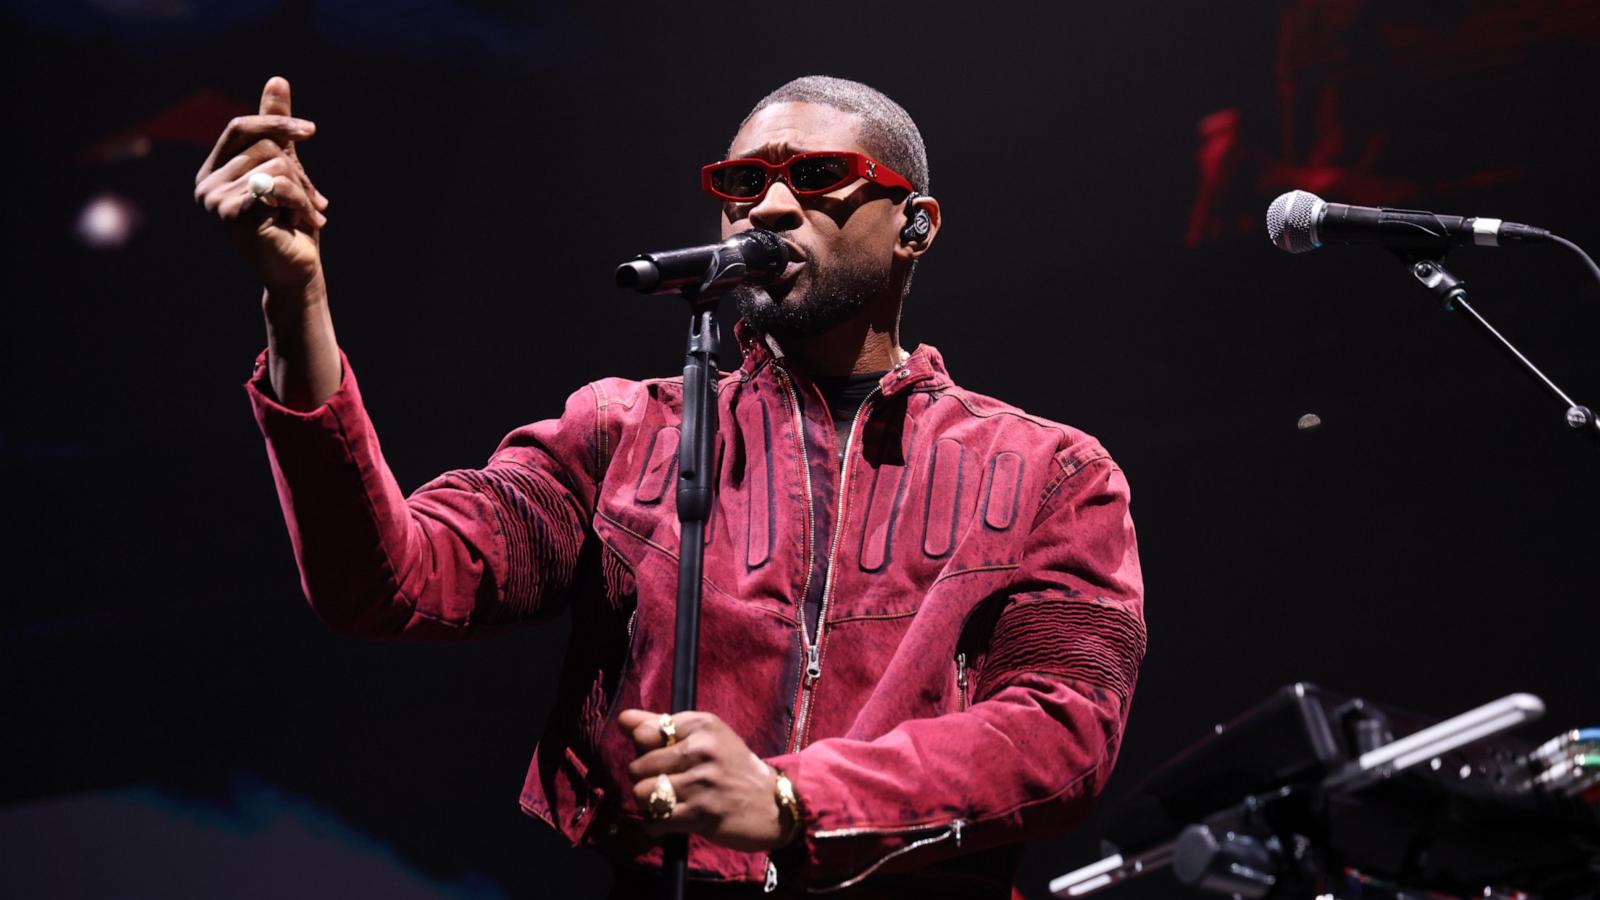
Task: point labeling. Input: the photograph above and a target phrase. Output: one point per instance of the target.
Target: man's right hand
(278, 234)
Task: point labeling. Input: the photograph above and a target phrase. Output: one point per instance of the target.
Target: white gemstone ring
(261, 185)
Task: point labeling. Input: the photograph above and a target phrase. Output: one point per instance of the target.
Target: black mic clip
(1430, 271)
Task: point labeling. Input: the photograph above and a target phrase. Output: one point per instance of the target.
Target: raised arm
(470, 552)
(278, 232)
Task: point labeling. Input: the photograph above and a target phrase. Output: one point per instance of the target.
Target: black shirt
(845, 394)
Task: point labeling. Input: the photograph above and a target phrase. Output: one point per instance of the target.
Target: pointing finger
(275, 102)
(275, 97)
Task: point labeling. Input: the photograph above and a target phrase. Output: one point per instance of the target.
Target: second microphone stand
(1452, 293)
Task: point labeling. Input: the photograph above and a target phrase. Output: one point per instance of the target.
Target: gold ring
(662, 799)
(669, 730)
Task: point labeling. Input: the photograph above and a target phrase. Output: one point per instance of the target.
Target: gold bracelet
(783, 794)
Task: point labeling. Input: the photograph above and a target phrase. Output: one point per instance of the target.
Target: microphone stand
(725, 265)
(1452, 294)
(696, 486)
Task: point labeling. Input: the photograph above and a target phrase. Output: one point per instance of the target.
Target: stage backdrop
(179, 724)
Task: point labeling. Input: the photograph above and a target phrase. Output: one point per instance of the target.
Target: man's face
(841, 243)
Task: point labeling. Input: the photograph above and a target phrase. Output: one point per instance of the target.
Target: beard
(816, 301)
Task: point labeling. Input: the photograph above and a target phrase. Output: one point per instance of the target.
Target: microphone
(754, 256)
(1300, 220)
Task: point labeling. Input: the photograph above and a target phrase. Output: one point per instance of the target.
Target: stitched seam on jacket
(602, 452)
(534, 813)
(862, 617)
(1068, 471)
(997, 567)
(641, 538)
(519, 488)
(1099, 644)
(724, 379)
(626, 530)
(958, 395)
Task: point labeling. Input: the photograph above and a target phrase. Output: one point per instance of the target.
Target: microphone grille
(763, 249)
(1290, 220)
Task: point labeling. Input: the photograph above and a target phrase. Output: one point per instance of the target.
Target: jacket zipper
(811, 550)
(813, 649)
(961, 678)
(948, 831)
(951, 830)
(840, 509)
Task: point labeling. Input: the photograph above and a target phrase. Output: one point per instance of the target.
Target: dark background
(180, 725)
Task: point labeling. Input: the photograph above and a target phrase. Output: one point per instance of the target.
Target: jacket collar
(922, 369)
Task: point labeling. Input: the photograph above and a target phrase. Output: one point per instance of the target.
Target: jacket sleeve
(1051, 702)
(470, 552)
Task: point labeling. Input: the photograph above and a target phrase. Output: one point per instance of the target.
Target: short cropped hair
(887, 130)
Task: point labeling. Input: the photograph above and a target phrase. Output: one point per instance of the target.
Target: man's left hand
(725, 792)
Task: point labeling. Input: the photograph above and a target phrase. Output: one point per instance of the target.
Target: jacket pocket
(586, 798)
(624, 670)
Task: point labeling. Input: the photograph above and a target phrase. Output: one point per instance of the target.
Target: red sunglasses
(806, 174)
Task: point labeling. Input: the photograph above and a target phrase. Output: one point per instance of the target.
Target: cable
(1593, 269)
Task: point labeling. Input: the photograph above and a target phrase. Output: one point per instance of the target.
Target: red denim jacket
(980, 633)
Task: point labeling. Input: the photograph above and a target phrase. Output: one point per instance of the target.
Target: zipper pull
(961, 674)
(813, 663)
(955, 830)
(772, 878)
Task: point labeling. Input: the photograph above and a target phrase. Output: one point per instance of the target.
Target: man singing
(923, 611)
